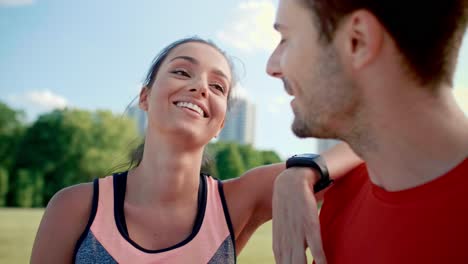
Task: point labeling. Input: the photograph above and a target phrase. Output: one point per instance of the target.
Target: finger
(318, 254)
(314, 240)
(278, 251)
(298, 255)
(284, 255)
(279, 247)
(313, 232)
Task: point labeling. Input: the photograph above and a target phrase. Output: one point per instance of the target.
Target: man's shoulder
(461, 168)
(351, 182)
(344, 190)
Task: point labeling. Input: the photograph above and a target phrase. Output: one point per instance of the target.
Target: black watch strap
(312, 161)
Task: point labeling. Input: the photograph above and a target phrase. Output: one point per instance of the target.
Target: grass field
(18, 228)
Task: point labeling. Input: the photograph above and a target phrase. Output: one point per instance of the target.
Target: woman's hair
(137, 154)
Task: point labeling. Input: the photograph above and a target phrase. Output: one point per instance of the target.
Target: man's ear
(143, 99)
(363, 38)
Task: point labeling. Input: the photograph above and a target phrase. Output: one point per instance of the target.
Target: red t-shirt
(362, 223)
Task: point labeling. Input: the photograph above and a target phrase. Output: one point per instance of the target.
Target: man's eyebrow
(187, 58)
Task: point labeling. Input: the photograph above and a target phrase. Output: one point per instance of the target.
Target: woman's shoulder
(72, 204)
(63, 222)
(76, 196)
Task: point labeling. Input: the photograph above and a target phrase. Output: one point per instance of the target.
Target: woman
(163, 210)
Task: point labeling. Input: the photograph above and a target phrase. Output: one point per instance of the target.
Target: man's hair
(427, 33)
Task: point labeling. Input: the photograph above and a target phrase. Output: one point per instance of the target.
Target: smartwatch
(313, 161)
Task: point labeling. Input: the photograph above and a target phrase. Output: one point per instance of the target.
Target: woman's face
(189, 95)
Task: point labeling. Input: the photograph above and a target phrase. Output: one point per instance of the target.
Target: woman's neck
(167, 175)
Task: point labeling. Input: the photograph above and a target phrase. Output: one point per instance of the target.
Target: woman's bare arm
(249, 197)
(63, 222)
(295, 211)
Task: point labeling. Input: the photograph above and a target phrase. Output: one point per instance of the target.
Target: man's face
(312, 72)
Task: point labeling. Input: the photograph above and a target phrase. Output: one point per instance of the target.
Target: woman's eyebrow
(220, 73)
(187, 58)
(196, 62)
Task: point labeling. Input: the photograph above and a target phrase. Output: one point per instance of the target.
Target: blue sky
(94, 55)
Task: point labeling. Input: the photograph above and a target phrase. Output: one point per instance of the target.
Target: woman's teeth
(191, 106)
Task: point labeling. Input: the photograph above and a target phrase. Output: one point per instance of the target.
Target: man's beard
(328, 97)
(300, 128)
(303, 128)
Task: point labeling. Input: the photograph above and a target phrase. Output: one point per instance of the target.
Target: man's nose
(273, 65)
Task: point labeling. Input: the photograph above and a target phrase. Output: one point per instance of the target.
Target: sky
(94, 55)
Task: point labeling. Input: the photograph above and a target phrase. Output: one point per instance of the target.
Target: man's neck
(408, 141)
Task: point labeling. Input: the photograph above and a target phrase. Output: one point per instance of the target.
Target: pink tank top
(106, 240)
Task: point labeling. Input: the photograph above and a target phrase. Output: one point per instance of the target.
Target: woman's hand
(295, 217)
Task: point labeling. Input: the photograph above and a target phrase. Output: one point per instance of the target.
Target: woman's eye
(218, 87)
(181, 73)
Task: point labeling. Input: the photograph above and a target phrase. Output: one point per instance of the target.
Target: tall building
(240, 122)
(139, 116)
(324, 144)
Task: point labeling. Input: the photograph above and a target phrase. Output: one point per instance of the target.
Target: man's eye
(181, 73)
(218, 87)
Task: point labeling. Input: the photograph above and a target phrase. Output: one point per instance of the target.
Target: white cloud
(252, 27)
(461, 96)
(45, 99)
(37, 101)
(16, 2)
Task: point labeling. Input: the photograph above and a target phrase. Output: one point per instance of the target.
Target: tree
(269, 157)
(66, 147)
(227, 154)
(229, 162)
(209, 162)
(28, 186)
(10, 119)
(3, 185)
(11, 130)
(251, 158)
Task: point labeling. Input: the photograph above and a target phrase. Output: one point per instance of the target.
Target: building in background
(324, 144)
(240, 122)
(139, 116)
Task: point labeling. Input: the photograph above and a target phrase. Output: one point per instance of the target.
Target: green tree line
(70, 146)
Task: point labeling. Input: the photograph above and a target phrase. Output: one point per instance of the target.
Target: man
(378, 75)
